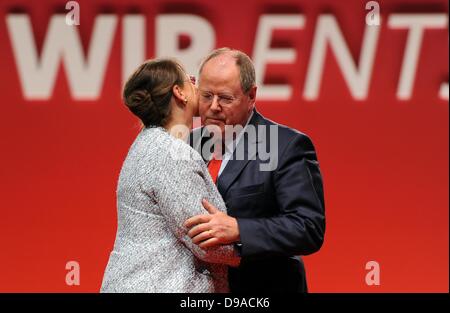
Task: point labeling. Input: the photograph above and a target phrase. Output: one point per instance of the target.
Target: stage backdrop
(368, 81)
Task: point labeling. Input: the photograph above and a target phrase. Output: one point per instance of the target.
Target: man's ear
(178, 93)
(252, 97)
(252, 94)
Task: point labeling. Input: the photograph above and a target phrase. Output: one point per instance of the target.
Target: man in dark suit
(273, 190)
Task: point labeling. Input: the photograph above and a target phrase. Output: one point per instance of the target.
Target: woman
(158, 191)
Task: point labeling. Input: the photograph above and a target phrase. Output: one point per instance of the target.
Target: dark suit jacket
(280, 212)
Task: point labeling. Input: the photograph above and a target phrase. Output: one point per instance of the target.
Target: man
(276, 213)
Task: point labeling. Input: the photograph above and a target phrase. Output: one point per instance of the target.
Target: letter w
(62, 43)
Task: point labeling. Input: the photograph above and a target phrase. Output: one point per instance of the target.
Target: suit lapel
(197, 140)
(234, 166)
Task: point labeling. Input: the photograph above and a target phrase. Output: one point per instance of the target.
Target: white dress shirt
(229, 147)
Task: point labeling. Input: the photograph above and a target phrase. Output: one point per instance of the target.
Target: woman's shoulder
(167, 150)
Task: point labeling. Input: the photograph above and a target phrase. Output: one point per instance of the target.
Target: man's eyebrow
(225, 94)
(220, 93)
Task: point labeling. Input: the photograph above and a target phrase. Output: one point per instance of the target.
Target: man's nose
(215, 106)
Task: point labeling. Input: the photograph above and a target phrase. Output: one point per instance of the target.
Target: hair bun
(138, 98)
(140, 102)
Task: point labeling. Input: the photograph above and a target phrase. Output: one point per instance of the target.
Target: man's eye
(226, 99)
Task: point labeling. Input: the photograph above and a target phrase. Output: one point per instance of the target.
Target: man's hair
(245, 64)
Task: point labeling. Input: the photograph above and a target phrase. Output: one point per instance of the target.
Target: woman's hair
(148, 91)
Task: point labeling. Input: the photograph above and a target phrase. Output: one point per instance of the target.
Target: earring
(185, 100)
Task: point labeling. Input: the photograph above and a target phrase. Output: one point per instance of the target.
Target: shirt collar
(229, 146)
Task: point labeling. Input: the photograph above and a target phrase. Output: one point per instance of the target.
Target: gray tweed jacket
(161, 184)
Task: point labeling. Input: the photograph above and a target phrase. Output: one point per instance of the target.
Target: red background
(384, 161)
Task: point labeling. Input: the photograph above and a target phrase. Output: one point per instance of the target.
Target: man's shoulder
(286, 134)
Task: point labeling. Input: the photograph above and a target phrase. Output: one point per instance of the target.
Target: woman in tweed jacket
(161, 184)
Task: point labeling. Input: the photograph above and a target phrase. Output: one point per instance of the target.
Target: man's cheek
(229, 119)
(202, 111)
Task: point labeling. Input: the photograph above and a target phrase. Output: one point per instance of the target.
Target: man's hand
(210, 230)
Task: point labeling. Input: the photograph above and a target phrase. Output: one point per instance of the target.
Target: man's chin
(214, 122)
(215, 126)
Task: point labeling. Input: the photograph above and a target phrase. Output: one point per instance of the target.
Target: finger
(202, 237)
(212, 242)
(209, 207)
(194, 231)
(198, 219)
